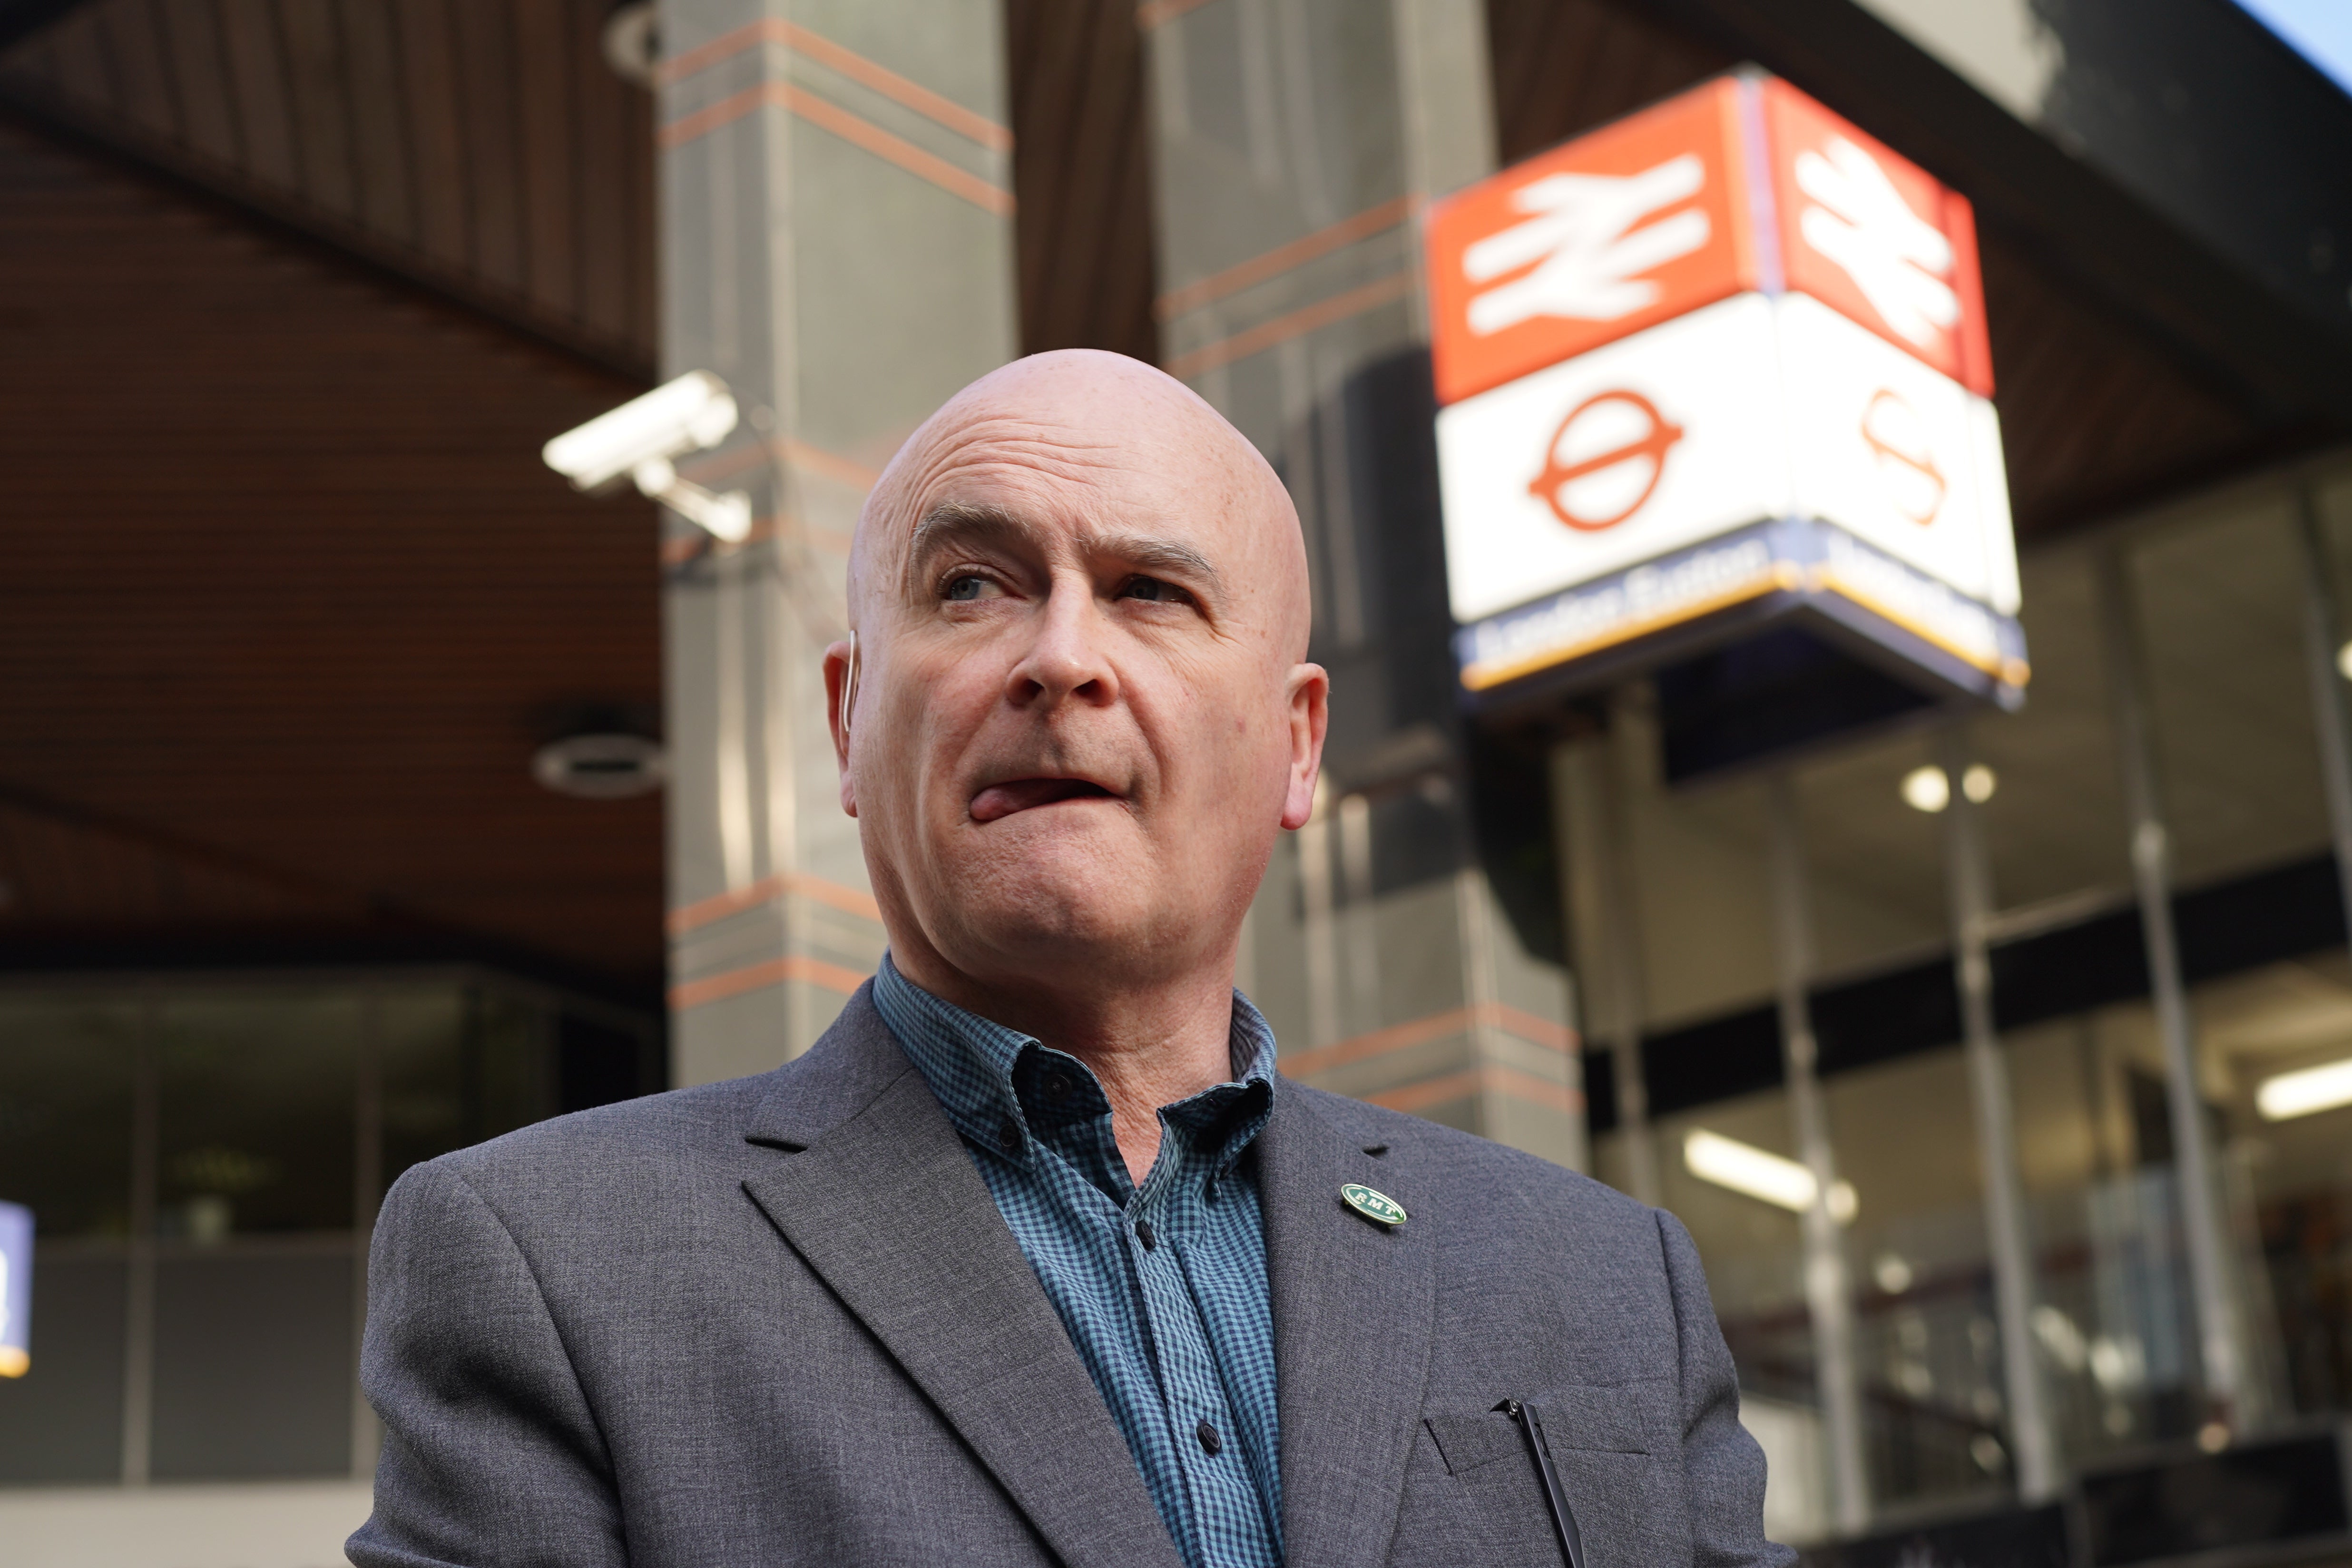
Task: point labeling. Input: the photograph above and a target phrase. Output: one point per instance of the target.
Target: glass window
(1874, 854)
(1755, 1269)
(1928, 1344)
(2112, 1322)
(425, 1102)
(258, 1113)
(65, 1111)
(2221, 607)
(2277, 1056)
(2054, 826)
(1699, 873)
(249, 1097)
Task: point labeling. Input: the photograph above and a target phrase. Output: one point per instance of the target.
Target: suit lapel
(1354, 1318)
(887, 1206)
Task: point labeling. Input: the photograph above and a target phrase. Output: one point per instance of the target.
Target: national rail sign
(1717, 364)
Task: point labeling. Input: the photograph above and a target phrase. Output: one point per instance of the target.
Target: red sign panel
(1872, 235)
(1614, 232)
(1664, 212)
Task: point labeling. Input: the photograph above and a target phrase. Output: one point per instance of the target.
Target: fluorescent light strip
(1757, 1173)
(2305, 1091)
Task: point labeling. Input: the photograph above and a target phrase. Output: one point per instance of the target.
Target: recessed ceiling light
(1926, 789)
(1761, 1174)
(601, 766)
(2305, 1091)
(1929, 789)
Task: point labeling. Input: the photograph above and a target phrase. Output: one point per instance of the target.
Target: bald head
(1078, 414)
(1079, 713)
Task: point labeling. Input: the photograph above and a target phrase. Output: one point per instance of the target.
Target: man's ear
(840, 697)
(1310, 697)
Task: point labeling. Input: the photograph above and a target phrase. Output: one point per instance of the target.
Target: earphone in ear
(849, 686)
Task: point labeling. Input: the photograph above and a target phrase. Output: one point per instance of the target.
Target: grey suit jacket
(780, 1320)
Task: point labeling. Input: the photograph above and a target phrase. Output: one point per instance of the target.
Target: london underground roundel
(1605, 459)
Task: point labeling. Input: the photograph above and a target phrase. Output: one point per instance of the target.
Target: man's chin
(1077, 886)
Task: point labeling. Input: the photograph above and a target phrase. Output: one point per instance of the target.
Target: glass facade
(203, 1156)
(2140, 1343)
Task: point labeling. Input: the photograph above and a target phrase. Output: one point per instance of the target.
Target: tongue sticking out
(1019, 794)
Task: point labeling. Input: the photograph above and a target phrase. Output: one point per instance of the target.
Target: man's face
(1078, 718)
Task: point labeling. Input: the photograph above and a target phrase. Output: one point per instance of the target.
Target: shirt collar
(979, 1070)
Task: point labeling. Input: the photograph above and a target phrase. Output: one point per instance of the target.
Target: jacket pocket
(1623, 1418)
(1617, 1452)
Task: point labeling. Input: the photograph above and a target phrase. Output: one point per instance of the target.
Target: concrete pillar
(837, 242)
(1403, 957)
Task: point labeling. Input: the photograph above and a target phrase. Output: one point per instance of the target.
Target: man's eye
(968, 587)
(1154, 590)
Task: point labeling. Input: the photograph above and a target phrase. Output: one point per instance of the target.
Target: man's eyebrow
(1149, 554)
(953, 522)
(969, 522)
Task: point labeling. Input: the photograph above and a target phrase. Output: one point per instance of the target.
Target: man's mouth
(1000, 800)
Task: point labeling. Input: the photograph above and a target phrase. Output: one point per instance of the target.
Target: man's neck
(1148, 1045)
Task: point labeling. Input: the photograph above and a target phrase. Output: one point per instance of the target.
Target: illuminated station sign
(1717, 365)
(15, 1289)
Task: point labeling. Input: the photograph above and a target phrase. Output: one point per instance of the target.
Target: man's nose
(1067, 660)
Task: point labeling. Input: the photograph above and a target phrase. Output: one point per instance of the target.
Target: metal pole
(367, 1197)
(2320, 638)
(1970, 877)
(1827, 1298)
(2151, 859)
(139, 1327)
(1622, 942)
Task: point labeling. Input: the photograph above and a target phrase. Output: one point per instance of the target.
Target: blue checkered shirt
(1162, 1286)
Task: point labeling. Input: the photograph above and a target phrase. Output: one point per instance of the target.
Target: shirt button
(1008, 1137)
(1143, 1234)
(1209, 1442)
(1059, 1086)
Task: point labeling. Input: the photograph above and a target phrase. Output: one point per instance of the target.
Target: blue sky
(2321, 29)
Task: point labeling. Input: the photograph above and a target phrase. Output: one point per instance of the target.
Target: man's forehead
(1049, 474)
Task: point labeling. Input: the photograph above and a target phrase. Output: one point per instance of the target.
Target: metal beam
(1829, 1292)
(1969, 874)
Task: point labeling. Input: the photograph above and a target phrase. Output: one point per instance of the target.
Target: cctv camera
(640, 438)
(694, 412)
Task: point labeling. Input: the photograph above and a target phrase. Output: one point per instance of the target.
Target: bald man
(1033, 1257)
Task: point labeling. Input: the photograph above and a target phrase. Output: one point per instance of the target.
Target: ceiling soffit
(484, 150)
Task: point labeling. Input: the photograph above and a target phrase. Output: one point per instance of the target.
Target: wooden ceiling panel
(481, 146)
(291, 599)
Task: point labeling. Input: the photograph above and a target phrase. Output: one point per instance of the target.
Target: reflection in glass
(257, 1092)
(1754, 1269)
(2113, 1320)
(1930, 1341)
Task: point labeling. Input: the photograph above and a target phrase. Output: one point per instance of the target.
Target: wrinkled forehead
(1064, 468)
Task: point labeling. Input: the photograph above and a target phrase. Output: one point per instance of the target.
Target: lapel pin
(1378, 1207)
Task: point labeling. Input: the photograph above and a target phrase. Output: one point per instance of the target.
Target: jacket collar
(859, 1169)
(1355, 1316)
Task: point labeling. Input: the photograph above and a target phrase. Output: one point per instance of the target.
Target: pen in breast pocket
(1563, 1518)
